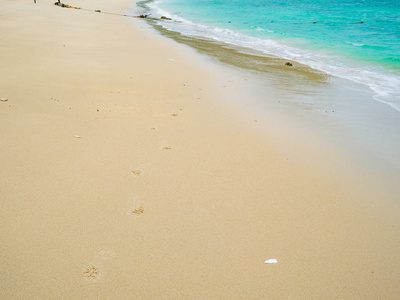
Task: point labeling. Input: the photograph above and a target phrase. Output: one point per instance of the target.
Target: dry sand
(125, 175)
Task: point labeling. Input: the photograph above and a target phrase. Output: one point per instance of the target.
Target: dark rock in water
(289, 64)
(165, 18)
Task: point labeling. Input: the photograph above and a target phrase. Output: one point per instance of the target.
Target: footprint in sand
(154, 126)
(92, 273)
(137, 172)
(165, 145)
(136, 210)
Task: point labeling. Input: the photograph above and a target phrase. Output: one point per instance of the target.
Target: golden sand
(125, 175)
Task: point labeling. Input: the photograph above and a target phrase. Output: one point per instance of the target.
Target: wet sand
(125, 173)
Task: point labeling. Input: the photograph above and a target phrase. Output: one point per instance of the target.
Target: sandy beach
(126, 174)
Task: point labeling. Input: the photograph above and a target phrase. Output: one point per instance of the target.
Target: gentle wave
(385, 85)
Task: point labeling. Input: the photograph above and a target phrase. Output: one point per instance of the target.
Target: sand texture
(125, 175)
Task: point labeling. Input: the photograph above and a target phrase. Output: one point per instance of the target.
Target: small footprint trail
(94, 272)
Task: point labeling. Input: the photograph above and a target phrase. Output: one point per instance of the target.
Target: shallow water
(357, 40)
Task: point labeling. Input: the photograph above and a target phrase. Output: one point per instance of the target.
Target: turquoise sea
(358, 40)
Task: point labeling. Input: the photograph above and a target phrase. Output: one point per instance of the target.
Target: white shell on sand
(271, 261)
(3, 99)
(77, 136)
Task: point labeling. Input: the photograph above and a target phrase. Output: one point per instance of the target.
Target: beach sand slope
(124, 175)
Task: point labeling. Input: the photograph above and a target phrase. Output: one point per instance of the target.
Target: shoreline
(271, 52)
(128, 174)
(367, 129)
